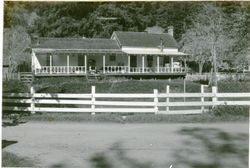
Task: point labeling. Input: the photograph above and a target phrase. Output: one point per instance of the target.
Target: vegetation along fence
(158, 103)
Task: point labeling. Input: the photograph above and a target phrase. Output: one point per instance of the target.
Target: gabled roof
(144, 39)
(76, 43)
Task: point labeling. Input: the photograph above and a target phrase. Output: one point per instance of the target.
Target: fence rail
(158, 103)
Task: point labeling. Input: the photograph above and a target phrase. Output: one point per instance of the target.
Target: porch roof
(76, 45)
(154, 52)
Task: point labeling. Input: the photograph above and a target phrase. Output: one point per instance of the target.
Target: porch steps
(92, 77)
(26, 77)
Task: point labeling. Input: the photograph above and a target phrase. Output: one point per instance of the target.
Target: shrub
(231, 110)
(120, 85)
(234, 86)
(15, 86)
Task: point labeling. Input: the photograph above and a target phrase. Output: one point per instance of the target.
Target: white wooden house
(124, 54)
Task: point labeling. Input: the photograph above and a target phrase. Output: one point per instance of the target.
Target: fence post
(32, 104)
(214, 99)
(18, 75)
(202, 98)
(167, 98)
(184, 89)
(93, 100)
(156, 100)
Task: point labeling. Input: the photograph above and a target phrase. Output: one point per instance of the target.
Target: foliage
(19, 42)
(55, 85)
(97, 19)
(233, 86)
(212, 35)
(15, 86)
(17, 19)
(231, 110)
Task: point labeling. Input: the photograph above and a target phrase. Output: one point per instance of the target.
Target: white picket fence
(158, 103)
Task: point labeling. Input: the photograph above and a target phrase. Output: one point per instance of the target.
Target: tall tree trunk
(201, 64)
(210, 83)
(214, 83)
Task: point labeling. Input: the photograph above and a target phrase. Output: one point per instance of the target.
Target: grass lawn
(218, 115)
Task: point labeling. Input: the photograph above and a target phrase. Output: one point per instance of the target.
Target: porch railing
(168, 69)
(141, 70)
(116, 69)
(60, 70)
(108, 69)
(155, 70)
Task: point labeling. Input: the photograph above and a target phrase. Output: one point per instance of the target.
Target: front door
(91, 64)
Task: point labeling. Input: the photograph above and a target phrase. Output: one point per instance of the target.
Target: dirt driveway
(130, 145)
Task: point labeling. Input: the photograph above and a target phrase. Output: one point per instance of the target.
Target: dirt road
(155, 145)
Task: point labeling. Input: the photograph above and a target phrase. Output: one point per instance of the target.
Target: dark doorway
(133, 61)
(91, 63)
(149, 61)
(81, 61)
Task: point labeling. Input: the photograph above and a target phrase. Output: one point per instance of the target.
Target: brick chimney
(171, 30)
(35, 39)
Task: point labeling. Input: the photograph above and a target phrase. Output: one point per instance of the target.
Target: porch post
(172, 63)
(103, 58)
(85, 63)
(158, 63)
(185, 65)
(142, 63)
(50, 64)
(33, 68)
(67, 64)
(128, 63)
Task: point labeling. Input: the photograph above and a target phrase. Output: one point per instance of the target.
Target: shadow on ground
(116, 157)
(212, 148)
(201, 148)
(6, 143)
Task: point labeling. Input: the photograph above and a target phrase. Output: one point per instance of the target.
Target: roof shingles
(76, 43)
(144, 39)
(129, 39)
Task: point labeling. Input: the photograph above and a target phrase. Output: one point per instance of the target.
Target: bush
(234, 86)
(231, 110)
(80, 85)
(15, 86)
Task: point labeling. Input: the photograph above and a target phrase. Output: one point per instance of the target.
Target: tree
(210, 37)
(19, 19)
(19, 42)
(239, 26)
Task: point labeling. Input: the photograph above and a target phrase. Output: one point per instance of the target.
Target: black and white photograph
(125, 84)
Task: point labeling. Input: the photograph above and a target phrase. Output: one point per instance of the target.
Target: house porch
(110, 64)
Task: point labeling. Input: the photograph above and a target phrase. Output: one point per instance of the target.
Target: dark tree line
(91, 19)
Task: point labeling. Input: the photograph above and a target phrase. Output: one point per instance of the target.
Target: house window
(112, 58)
